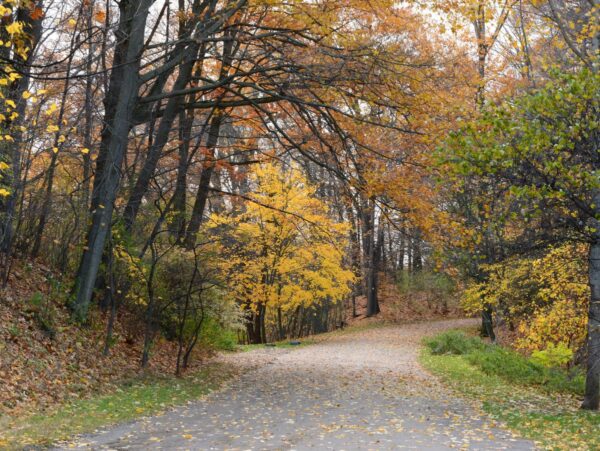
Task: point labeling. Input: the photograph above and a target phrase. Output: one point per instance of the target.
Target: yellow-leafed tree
(283, 254)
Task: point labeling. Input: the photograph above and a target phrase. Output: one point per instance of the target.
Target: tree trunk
(591, 400)
(88, 106)
(177, 226)
(370, 259)
(203, 185)
(49, 182)
(487, 322)
(119, 106)
(10, 152)
(417, 264)
(171, 112)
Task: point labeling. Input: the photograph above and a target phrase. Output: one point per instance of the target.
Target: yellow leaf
(187, 436)
(15, 28)
(4, 192)
(51, 109)
(85, 151)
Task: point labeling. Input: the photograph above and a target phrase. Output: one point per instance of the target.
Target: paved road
(357, 391)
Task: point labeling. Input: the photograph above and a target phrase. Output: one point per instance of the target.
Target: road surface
(361, 390)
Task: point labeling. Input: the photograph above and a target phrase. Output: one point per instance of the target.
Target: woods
(196, 174)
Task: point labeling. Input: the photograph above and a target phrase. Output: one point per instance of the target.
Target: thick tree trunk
(591, 400)
(120, 104)
(417, 264)
(369, 249)
(177, 226)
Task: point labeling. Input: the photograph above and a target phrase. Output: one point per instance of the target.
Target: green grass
(134, 399)
(538, 403)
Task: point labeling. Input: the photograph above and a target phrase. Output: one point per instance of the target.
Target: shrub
(454, 342)
(215, 336)
(553, 356)
(437, 283)
(509, 364)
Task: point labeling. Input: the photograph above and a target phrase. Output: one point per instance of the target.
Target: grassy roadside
(134, 399)
(534, 403)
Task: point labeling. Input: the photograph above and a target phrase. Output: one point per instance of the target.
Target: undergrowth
(140, 397)
(537, 402)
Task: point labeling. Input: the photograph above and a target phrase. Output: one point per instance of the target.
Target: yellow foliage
(284, 251)
(561, 323)
(547, 297)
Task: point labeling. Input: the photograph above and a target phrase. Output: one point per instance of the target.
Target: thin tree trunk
(204, 184)
(10, 152)
(49, 180)
(88, 116)
(171, 112)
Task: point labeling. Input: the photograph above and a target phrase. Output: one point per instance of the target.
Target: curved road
(361, 390)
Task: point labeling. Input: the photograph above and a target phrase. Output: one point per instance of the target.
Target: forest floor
(355, 389)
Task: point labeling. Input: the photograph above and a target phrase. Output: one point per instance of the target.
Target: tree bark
(171, 112)
(591, 399)
(369, 250)
(177, 226)
(10, 152)
(119, 107)
(204, 184)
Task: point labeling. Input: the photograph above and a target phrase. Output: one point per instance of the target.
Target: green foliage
(437, 283)
(453, 342)
(553, 356)
(505, 363)
(551, 419)
(216, 335)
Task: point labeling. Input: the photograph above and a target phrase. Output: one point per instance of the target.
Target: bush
(553, 356)
(438, 284)
(520, 370)
(454, 343)
(215, 336)
(506, 363)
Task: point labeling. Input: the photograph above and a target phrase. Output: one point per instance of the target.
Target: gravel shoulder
(358, 390)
